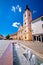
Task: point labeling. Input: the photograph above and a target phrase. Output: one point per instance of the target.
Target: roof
(20, 28)
(27, 8)
(37, 19)
(13, 34)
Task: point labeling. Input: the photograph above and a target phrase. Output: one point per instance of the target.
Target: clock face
(42, 18)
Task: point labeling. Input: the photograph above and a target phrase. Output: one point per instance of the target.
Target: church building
(25, 31)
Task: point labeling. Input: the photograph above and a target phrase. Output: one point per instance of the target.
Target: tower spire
(27, 7)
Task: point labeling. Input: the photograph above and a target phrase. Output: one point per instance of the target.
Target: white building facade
(37, 29)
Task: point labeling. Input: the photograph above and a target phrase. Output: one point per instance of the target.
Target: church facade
(25, 31)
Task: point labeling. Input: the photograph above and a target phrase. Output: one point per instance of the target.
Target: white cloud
(16, 24)
(16, 8)
(13, 8)
(19, 9)
(34, 11)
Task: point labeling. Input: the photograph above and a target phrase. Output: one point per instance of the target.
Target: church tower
(27, 19)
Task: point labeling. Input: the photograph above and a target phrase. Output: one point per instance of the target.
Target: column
(33, 38)
(36, 38)
(41, 38)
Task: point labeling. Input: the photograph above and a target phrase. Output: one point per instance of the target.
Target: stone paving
(4, 44)
(6, 57)
(35, 47)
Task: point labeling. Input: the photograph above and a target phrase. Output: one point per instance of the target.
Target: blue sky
(11, 13)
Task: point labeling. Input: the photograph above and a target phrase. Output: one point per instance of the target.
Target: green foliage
(7, 37)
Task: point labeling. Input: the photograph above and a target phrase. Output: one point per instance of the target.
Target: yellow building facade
(20, 33)
(13, 36)
(24, 32)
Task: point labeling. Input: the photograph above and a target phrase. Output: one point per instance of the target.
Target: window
(42, 18)
(29, 14)
(25, 30)
(25, 37)
(42, 25)
(25, 22)
(29, 22)
(25, 15)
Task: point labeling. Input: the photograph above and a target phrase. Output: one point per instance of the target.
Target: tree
(7, 37)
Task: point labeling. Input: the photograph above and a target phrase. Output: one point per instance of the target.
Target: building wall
(37, 27)
(20, 33)
(13, 36)
(24, 32)
(27, 25)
